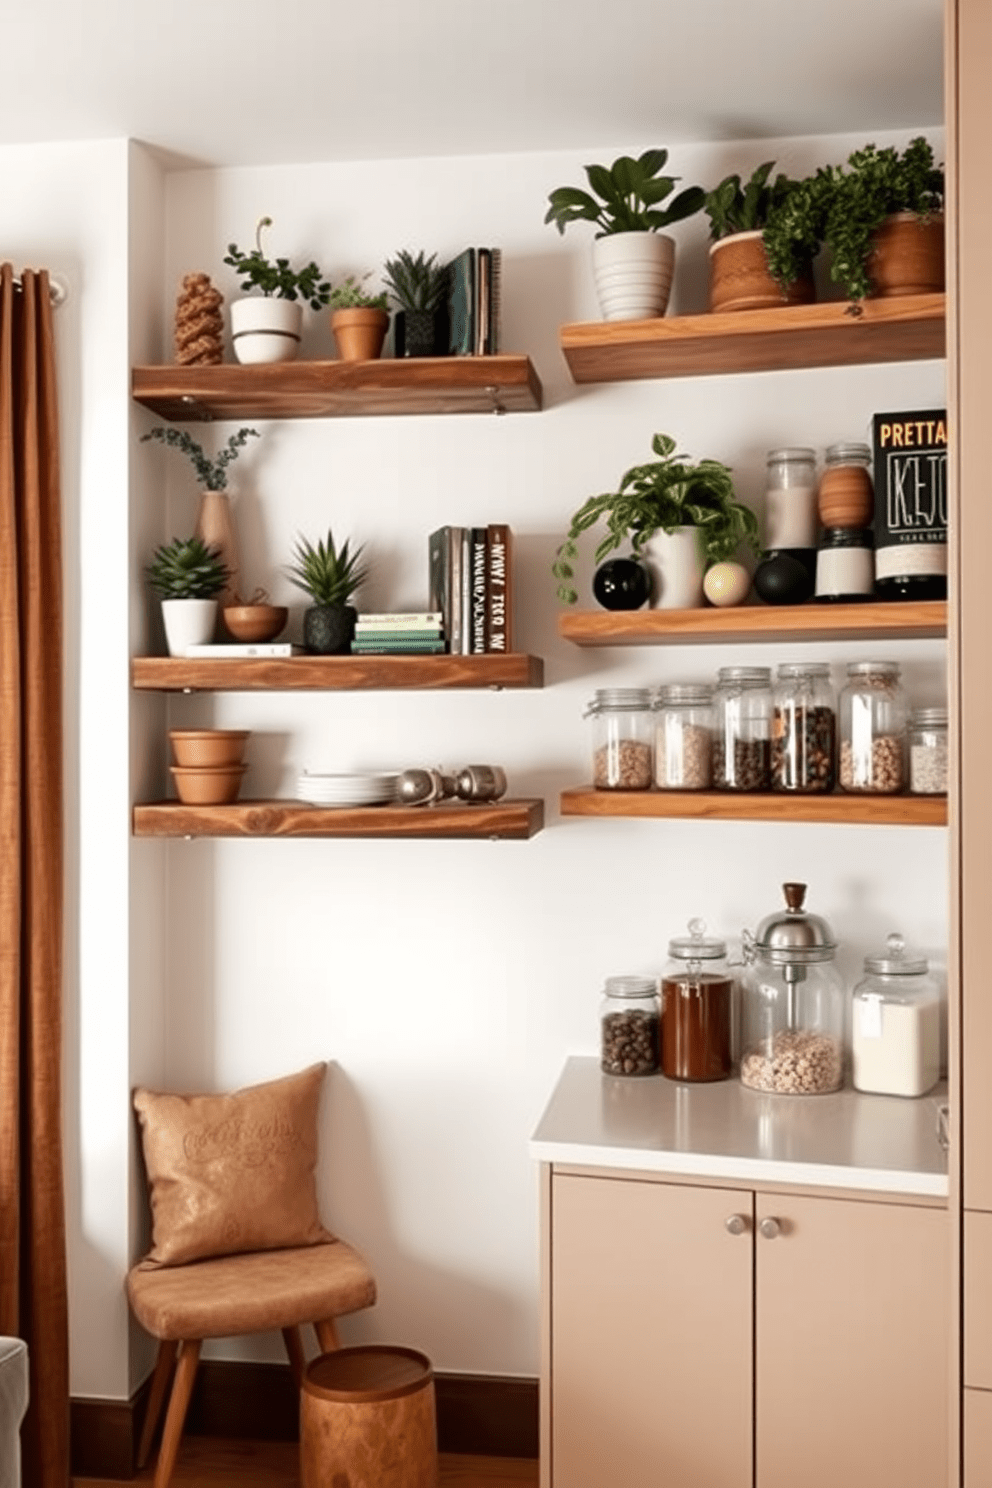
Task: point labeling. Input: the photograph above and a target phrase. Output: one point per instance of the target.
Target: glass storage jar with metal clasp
(622, 751)
(683, 737)
(895, 1032)
(804, 728)
(872, 751)
(697, 1008)
(629, 1026)
(742, 705)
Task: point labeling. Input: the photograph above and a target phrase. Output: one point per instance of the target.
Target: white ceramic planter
(677, 569)
(633, 273)
(188, 622)
(266, 329)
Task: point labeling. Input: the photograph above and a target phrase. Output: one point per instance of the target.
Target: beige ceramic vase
(359, 333)
(215, 527)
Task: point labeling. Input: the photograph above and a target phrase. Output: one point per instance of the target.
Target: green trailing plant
(349, 295)
(735, 207)
(211, 470)
(662, 495)
(630, 192)
(277, 276)
(186, 568)
(416, 283)
(328, 574)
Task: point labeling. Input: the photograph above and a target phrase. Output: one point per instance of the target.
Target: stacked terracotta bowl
(209, 765)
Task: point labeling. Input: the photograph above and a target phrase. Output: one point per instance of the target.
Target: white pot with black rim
(266, 328)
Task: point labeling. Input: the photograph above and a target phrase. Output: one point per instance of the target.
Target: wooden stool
(367, 1419)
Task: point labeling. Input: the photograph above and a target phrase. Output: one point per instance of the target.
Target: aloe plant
(415, 283)
(328, 574)
(187, 568)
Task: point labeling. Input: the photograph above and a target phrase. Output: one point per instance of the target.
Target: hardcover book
(479, 591)
(462, 294)
(499, 625)
(246, 648)
(456, 559)
(439, 576)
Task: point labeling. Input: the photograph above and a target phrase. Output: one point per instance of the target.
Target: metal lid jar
(683, 737)
(804, 727)
(792, 1003)
(623, 742)
(790, 498)
(872, 707)
(628, 1018)
(846, 497)
(895, 1028)
(742, 705)
(697, 1008)
(928, 752)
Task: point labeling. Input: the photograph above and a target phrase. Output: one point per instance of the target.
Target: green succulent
(329, 575)
(277, 277)
(187, 568)
(631, 192)
(349, 295)
(733, 207)
(416, 283)
(210, 472)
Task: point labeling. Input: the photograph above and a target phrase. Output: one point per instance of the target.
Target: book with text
(499, 623)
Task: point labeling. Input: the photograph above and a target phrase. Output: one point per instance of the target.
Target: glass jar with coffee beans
(742, 706)
(629, 1026)
(623, 738)
(683, 736)
(804, 728)
(872, 707)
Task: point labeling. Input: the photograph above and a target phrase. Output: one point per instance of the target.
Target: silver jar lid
(697, 946)
(631, 986)
(895, 960)
(619, 699)
(793, 934)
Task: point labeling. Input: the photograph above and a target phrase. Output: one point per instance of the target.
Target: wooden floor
(206, 1462)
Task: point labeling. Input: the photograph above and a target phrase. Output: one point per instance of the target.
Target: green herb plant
(187, 568)
(211, 471)
(630, 195)
(662, 495)
(733, 207)
(277, 276)
(328, 574)
(349, 295)
(416, 283)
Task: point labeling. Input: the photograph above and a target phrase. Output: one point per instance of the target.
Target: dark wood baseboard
(479, 1415)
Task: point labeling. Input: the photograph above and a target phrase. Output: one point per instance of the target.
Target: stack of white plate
(361, 788)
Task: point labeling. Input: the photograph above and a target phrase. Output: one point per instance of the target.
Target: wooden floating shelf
(906, 328)
(291, 390)
(909, 621)
(331, 673)
(866, 810)
(505, 820)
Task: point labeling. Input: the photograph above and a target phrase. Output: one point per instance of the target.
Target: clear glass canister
(793, 1003)
(790, 498)
(872, 707)
(742, 708)
(683, 737)
(895, 1028)
(697, 1008)
(846, 497)
(804, 728)
(928, 752)
(629, 1026)
(623, 738)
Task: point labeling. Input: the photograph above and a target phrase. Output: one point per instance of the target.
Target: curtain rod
(58, 290)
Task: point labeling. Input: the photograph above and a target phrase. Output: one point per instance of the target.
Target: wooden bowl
(211, 749)
(255, 622)
(208, 787)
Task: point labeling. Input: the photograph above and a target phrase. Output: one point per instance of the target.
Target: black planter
(621, 584)
(328, 630)
(420, 333)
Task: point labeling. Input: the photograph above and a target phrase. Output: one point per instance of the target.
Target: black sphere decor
(786, 576)
(621, 584)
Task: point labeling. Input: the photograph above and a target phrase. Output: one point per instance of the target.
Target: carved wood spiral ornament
(199, 330)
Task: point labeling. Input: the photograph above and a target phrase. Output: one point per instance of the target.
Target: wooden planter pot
(359, 333)
(739, 277)
(908, 256)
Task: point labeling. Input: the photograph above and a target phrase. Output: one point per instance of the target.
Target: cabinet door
(851, 1344)
(651, 1335)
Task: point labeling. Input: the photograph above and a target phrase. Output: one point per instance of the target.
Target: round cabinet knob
(736, 1224)
(770, 1228)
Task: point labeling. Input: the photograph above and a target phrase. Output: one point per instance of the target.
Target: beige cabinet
(725, 1338)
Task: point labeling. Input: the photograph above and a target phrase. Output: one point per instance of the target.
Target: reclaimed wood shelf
(909, 621)
(334, 673)
(792, 337)
(292, 390)
(504, 820)
(864, 810)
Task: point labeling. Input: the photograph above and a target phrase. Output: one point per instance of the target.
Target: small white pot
(633, 273)
(188, 622)
(677, 569)
(266, 329)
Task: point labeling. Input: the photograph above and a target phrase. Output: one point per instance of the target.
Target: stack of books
(470, 583)
(474, 302)
(393, 633)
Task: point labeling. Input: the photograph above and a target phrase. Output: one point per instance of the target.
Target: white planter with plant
(269, 328)
(633, 261)
(187, 575)
(330, 576)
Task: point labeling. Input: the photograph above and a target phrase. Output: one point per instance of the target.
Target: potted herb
(739, 275)
(187, 575)
(269, 329)
(359, 319)
(633, 260)
(330, 576)
(419, 286)
(677, 515)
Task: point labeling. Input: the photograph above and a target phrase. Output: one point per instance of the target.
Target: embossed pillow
(231, 1173)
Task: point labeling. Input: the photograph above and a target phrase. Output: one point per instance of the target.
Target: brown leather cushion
(250, 1293)
(232, 1173)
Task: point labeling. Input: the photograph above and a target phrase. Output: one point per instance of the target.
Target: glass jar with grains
(629, 1026)
(872, 729)
(622, 749)
(742, 728)
(928, 752)
(804, 728)
(683, 737)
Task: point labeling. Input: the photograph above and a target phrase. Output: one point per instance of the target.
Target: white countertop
(884, 1143)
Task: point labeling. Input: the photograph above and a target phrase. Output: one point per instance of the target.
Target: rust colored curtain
(33, 1300)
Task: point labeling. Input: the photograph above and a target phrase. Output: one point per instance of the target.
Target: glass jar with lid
(622, 750)
(683, 736)
(790, 498)
(895, 1029)
(804, 728)
(872, 753)
(846, 497)
(629, 1026)
(742, 706)
(928, 752)
(793, 1003)
(697, 1008)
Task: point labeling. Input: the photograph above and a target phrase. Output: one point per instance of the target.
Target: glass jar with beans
(872, 751)
(629, 1026)
(683, 737)
(804, 728)
(623, 738)
(742, 706)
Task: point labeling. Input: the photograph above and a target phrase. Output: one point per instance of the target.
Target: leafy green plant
(349, 295)
(630, 195)
(277, 276)
(211, 471)
(187, 568)
(733, 207)
(416, 283)
(666, 493)
(329, 575)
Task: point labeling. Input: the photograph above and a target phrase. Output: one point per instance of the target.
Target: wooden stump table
(367, 1420)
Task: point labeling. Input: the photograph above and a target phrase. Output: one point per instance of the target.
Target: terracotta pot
(739, 277)
(359, 333)
(201, 786)
(208, 748)
(908, 256)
